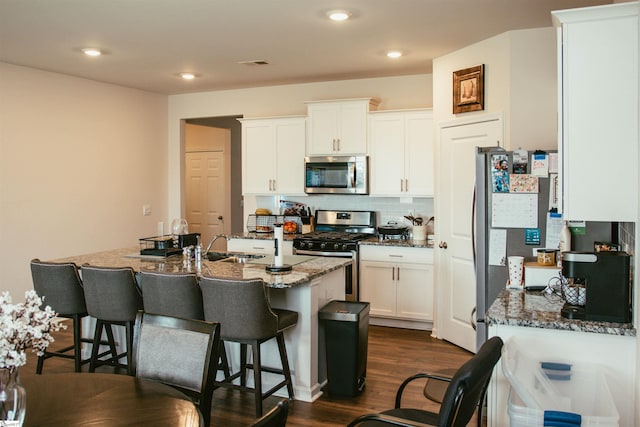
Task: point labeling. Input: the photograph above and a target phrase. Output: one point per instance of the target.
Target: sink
(217, 256)
(237, 258)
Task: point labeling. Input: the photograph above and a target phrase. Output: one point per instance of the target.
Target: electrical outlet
(146, 210)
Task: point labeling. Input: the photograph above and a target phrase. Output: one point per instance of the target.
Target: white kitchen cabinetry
(273, 155)
(339, 127)
(598, 111)
(258, 246)
(397, 282)
(401, 148)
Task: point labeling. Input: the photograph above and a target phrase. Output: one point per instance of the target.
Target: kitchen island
(312, 283)
(534, 320)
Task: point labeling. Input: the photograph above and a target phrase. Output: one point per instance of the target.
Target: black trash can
(346, 326)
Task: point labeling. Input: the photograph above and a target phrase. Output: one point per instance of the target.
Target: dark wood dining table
(94, 399)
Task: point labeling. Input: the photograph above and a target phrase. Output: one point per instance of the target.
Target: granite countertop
(373, 241)
(407, 243)
(305, 268)
(537, 310)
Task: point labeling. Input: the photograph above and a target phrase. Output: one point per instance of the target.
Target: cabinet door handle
(401, 185)
(393, 274)
(274, 184)
(338, 144)
(333, 146)
(406, 185)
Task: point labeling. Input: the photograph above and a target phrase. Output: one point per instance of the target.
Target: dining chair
(276, 417)
(112, 298)
(179, 352)
(60, 286)
(242, 307)
(177, 295)
(464, 394)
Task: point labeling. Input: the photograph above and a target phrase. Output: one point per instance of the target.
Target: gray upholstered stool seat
(113, 298)
(242, 307)
(286, 318)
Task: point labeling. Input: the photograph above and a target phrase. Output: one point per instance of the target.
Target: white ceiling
(148, 42)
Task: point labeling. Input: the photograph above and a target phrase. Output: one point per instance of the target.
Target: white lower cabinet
(397, 282)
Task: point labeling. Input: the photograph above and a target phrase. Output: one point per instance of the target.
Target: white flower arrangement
(24, 325)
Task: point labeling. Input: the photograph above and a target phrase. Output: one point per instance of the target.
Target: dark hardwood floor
(393, 355)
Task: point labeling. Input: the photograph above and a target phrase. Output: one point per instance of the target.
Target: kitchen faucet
(213, 241)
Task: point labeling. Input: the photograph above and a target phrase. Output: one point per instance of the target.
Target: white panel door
(205, 193)
(454, 256)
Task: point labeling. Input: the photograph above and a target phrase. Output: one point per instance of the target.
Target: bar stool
(113, 298)
(60, 286)
(246, 317)
(171, 294)
(176, 295)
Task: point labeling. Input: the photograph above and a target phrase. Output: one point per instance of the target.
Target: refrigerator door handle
(473, 224)
(474, 325)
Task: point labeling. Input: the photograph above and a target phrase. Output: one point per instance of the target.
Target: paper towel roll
(278, 234)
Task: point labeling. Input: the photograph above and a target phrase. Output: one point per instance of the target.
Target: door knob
(443, 245)
(220, 218)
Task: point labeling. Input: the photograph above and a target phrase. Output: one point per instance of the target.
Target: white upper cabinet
(598, 111)
(401, 148)
(338, 127)
(273, 155)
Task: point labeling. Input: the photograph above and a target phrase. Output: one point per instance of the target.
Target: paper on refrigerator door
(514, 210)
(497, 247)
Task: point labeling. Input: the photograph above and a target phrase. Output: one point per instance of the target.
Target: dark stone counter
(539, 310)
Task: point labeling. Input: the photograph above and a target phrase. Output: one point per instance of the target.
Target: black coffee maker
(604, 277)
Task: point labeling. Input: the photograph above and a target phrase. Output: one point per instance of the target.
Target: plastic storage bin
(346, 325)
(558, 392)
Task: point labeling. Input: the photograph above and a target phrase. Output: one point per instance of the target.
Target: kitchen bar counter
(301, 273)
(535, 310)
(312, 283)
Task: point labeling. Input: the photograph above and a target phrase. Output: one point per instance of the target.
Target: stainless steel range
(337, 234)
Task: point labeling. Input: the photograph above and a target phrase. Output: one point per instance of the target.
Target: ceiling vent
(254, 62)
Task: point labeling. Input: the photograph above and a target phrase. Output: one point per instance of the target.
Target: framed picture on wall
(468, 89)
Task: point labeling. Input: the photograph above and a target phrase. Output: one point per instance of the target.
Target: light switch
(146, 210)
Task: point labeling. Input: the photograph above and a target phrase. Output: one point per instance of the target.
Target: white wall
(393, 92)
(520, 80)
(78, 159)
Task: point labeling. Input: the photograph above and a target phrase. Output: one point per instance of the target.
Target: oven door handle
(320, 253)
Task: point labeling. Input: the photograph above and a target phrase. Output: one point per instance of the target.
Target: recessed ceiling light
(188, 76)
(92, 51)
(339, 15)
(394, 54)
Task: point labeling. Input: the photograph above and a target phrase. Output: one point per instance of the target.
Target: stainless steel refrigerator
(500, 211)
(510, 218)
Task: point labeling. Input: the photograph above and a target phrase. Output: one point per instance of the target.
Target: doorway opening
(212, 177)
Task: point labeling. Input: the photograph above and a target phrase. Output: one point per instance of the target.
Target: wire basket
(574, 293)
(265, 223)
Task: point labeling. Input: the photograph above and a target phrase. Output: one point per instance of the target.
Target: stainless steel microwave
(336, 175)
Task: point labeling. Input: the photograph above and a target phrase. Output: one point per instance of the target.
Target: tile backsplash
(388, 208)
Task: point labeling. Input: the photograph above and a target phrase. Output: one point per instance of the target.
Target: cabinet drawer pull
(395, 256)
(398, 275)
